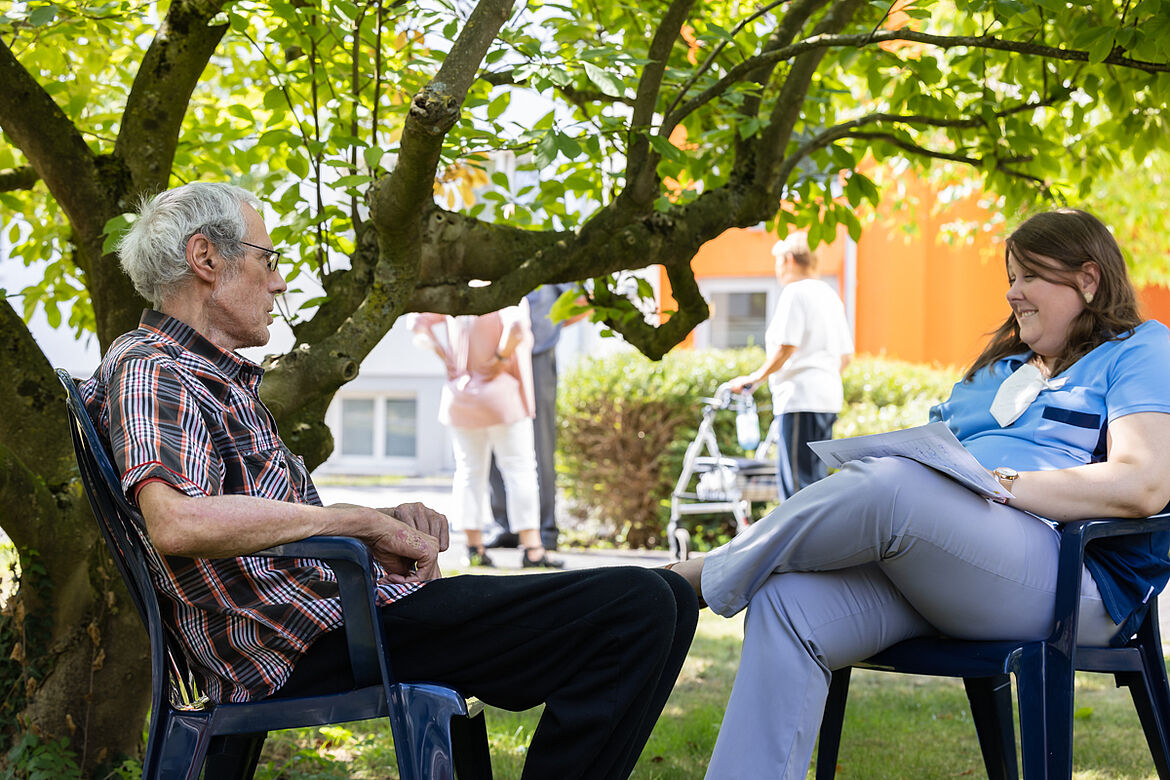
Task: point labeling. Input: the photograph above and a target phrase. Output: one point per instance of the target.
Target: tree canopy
(409, 149)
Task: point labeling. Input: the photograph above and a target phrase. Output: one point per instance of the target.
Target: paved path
(437, 495)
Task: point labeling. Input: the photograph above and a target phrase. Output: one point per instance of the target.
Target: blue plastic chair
(1044, 672)
(436, 734)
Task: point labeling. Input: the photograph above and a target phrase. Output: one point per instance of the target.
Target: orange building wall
(918, 297)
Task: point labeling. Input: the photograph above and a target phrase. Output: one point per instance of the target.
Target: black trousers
(601, 648)
(797, 465)
(544, 429)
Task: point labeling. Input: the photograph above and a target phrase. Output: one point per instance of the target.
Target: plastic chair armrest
(352, 565)
(1074, 538)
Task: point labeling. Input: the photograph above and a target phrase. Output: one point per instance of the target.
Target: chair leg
(420, 719)
(177, 745)
(991, 709)
(1145, 695)
(832, 723)
(1045, 698)
(1151, 694)
(233, 757)
(473, 760)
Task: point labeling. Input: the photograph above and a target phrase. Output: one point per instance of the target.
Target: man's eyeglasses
(271, 256)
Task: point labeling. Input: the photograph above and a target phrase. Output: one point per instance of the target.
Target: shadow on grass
(897, 727)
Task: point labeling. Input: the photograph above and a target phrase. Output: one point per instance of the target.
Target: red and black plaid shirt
(175, 407)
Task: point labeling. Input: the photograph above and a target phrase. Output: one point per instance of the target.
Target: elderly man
(202, 459)
(809, 344)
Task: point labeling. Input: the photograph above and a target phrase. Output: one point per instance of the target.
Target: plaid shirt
(175, 407)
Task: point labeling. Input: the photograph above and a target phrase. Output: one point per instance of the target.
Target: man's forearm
(773, 362)
(228, 526)
(405, 540)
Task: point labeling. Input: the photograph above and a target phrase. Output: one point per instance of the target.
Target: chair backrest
(122, 528)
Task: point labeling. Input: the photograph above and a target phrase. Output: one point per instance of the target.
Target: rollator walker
(724, 484)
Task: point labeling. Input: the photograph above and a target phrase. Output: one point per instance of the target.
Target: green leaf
(568, 146)
(565, 306)
(1101, 48)
(498, 105)
(665, 148)
(298, 166)
(546, 150)
(42, 15)
(373, 156)
(604, 80)
(113, 231)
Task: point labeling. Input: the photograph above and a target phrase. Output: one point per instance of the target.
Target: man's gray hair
(796, 244)
(154, 251)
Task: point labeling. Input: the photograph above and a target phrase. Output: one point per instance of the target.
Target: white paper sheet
(931, 445)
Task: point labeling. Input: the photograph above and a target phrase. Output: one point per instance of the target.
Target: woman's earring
(1088, 296)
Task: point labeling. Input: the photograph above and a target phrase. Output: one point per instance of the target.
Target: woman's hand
(496, 366)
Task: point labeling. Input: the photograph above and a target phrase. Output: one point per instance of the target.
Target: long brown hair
(1052, 245)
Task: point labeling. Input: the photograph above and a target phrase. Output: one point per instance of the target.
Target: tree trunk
(73, 652)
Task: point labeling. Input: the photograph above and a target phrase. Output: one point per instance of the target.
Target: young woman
(1067, 405)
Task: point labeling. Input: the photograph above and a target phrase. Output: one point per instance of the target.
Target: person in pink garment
(488, 403)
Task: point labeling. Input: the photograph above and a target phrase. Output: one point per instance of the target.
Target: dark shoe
(503, 539)
(479, 558)
(543, 562)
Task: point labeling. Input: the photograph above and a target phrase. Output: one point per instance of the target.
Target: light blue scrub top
(1068, 427)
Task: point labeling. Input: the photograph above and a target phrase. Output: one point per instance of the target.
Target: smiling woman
(887, 549)
(1069, 291)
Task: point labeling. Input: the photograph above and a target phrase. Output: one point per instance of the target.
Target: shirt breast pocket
(269, 472)
(1077, 430)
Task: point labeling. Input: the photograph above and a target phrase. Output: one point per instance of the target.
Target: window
(357, 426)
(400, 429)
(738, 318)
(379, 427)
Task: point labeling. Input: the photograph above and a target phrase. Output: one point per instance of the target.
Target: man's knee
(646, 600)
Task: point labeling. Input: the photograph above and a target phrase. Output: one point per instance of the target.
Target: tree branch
(999, 164)
(51, 144)
(641, 160)
(310, 374)
(501, 78)
(162, 90)
(705, 66)
(19, 179)
(851, 128)
(397, 198)
(773, 139)
(741, 72)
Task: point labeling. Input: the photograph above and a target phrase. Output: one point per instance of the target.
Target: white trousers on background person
(884, 550)
(515, 452)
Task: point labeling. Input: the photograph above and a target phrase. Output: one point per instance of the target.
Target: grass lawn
(897, 728)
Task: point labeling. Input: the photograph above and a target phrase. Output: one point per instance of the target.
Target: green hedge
(625, 422)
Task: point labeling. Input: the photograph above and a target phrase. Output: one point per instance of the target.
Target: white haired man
(202, 459)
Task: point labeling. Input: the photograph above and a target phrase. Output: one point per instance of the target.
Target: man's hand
(406, 553)
(423, 518)
(406, 540)
(738, 384)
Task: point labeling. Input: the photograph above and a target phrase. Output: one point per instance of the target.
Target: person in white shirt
(808, 345)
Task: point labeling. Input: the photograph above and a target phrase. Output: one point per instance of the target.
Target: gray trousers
(882, 551)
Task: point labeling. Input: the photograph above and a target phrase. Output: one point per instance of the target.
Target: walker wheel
(681, 544)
